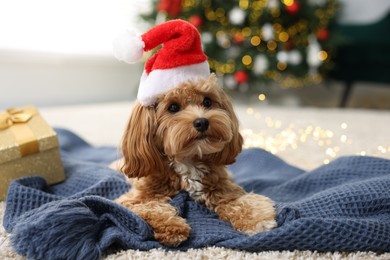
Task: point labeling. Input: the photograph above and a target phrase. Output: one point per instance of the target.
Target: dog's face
(194, 121)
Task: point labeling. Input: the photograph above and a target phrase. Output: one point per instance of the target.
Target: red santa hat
(180, 59)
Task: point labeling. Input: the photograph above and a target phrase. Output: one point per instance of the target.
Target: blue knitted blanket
(344, 205)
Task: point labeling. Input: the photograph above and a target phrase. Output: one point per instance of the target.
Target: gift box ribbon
(16, 120)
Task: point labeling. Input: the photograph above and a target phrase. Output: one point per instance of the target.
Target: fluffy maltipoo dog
(182, 139)
(183, 143)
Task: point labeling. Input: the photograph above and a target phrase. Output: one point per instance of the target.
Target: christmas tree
(250, 43)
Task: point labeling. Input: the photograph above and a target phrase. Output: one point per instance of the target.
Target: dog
(184, 143)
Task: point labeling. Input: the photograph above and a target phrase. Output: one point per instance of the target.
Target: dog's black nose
(201, 124)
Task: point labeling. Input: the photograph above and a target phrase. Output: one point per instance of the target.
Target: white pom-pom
(128, 46)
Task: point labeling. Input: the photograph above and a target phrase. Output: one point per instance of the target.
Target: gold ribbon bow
(16, 120)
(13, 116)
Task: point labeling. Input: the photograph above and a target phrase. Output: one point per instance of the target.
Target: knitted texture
(343, 206)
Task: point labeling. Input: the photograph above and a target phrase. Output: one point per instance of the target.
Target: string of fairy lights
(251, 43)
(277, 137)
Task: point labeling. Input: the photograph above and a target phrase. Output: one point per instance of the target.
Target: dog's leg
(251, 213)
(169, 228)
(247, 212)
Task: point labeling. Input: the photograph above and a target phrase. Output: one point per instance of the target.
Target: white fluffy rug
(304, 137)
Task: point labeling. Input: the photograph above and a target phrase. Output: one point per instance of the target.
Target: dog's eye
(173, 108)
(207, 102)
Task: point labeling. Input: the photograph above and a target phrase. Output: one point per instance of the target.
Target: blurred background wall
(57, 79)
(56, 52)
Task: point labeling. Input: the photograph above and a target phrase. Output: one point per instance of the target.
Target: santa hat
(180, 59)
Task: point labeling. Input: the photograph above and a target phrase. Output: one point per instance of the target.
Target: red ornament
(238, 38)
(322, 34)
(289, 45)
(294, 8)
(172, 7)
(241, 76)
(196, 21)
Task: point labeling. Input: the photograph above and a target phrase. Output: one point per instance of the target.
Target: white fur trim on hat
(128, 46)
(159, 81)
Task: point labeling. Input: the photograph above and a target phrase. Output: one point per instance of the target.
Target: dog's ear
(210, 83)
(229, 153)
(141, 156)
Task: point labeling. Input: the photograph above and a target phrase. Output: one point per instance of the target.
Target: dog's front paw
(173, 233)
(169, 228)
(251, 213)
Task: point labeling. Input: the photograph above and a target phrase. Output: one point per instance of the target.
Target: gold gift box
(28, 147)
